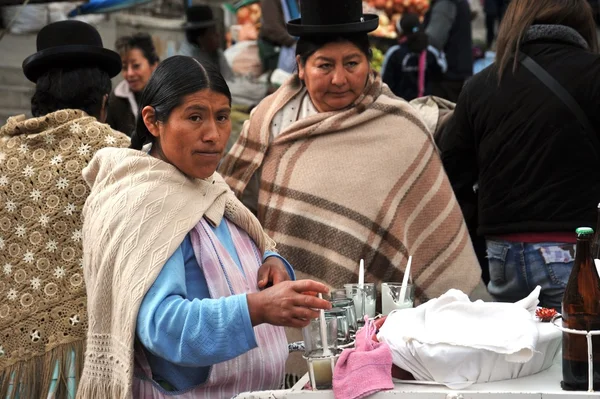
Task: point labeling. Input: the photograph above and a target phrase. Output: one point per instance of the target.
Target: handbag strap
(564, 96)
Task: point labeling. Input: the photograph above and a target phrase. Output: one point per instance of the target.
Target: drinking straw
(323, 331)
(405, 281)
(361, 274)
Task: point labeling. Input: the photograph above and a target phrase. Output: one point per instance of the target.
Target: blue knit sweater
(183, 330)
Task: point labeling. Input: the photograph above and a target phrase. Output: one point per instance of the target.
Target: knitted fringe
(33, 378)
(92, 388)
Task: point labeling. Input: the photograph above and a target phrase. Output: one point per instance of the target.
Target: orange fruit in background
(255, 17)
(243, 15)
(394, 9)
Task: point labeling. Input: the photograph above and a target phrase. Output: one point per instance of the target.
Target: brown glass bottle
(581, 311)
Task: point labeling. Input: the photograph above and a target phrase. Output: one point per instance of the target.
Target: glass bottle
(581, 311)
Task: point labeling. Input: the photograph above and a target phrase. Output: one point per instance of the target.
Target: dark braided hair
(70, 88)
(175, 78)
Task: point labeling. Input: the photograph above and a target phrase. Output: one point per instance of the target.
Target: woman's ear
(301, 70)
(149, 117)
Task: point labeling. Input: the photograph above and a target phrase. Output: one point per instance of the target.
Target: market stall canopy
(103, 6)
(19, 2)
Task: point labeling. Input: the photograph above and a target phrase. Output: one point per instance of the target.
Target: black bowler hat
(199, 17)
(332, 17)
(70, 44)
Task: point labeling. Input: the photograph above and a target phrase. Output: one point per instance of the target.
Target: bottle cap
(584, 231)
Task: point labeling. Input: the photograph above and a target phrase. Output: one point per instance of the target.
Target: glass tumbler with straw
(321, 358)
(363, 294)
(398, 296)
(390, 297)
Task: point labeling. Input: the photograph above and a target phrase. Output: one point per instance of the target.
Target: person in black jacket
(534, 163)
(494, 11)
(410, 68)
(448, 26)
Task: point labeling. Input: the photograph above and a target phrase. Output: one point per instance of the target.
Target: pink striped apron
(262, 368)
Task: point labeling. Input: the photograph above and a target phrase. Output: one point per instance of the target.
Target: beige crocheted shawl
(43, 318)
(138, 213)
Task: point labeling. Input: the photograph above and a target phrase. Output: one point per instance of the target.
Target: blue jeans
(516, 268)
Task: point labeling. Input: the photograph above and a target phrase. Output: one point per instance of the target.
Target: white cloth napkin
(453, 341)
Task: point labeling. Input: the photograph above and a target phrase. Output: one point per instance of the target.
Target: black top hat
(320, 17)
(199, 17)
(70, 44)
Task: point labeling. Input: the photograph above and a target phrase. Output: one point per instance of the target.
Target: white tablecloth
(545, 385)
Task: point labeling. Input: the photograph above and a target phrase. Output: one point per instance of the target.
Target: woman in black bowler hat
(339, 169)
(202, 39)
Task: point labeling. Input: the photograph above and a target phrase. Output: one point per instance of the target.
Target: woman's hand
(272, 272)
(286, 305)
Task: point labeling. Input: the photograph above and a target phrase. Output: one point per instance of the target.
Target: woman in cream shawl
(177, 269)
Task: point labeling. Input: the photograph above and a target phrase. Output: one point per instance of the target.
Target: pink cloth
(364, 370)
(262, 368)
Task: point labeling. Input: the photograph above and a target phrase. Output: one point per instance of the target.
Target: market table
(544, 385)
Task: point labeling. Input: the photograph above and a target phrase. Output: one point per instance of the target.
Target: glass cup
(348, 306)
(343, 328)
(390, 297)
(312, 335)
(364, 299)
(320, 369)
(338, 293)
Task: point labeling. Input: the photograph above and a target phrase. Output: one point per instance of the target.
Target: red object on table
(545, 314)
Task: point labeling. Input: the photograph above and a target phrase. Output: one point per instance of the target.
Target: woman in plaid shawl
(339, 169)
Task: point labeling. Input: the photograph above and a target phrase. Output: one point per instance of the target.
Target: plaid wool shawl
(364, 182)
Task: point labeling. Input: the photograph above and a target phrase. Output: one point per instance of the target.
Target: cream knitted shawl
(137, 215)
